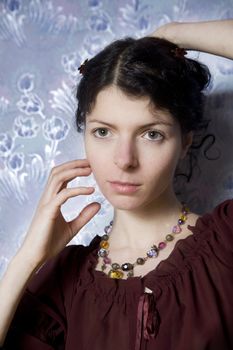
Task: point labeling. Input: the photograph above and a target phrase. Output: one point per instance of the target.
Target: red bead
(162, 245)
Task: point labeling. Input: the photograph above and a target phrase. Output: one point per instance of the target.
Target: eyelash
(152, 130)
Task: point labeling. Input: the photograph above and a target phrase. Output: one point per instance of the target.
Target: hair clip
(81, 68)
(179, 52)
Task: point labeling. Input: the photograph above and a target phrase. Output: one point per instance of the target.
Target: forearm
(12, 287)
(213, 37)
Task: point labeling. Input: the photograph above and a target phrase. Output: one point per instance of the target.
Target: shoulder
(223, 212)
(220, 216)
(64, 268)
(40, 318)
(216, 228)
(56, 278)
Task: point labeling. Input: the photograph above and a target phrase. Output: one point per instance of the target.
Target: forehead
(113, 103)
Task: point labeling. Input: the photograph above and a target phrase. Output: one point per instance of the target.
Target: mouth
(124, 183)
(124, 187)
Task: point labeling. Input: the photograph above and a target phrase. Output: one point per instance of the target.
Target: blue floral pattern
(55, 129)
(42, 43)
(6, 145)
(25, 127)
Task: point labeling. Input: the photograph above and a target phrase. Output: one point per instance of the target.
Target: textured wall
(42, 42)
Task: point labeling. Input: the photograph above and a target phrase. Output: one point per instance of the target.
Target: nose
(125, 155)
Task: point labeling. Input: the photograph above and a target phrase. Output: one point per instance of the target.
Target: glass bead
(176, 229)
(105, 237)
(152, 253)
(162, 245)
(115, 266)
(140, 261)
(126, 267)
(183, 217)
(130, 273)
(107, 229)
(104, 244)
(102, 252)
(169, 238)
(116, 274)
(180, 222)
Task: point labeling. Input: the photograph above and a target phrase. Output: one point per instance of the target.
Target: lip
(124, 183)
(124, 188)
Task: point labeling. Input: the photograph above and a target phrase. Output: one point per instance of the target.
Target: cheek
(89, 150)
(96, 160)
(163, 162)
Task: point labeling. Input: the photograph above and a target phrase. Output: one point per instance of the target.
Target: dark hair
(149, 67)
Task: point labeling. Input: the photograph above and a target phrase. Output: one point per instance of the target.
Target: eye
(156, 134)
(97, 130)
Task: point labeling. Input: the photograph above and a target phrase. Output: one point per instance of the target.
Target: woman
(161, 276)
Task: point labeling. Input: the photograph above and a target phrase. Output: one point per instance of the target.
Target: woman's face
(126, 149)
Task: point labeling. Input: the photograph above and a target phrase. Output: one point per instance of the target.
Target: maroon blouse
(70, 305)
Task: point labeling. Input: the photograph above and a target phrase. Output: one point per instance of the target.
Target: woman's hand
(213, 37)
(49, 233)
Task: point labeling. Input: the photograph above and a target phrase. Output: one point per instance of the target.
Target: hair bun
(199, 72)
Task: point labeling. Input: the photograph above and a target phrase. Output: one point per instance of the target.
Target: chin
(125, 201)
(124, 204)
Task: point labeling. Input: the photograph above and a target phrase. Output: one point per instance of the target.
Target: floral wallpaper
(42, 43)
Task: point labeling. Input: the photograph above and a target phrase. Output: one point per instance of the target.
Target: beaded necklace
(117, 270)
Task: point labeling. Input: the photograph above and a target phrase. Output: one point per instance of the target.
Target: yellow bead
(183, 217)
(104, 244)
(115, 274)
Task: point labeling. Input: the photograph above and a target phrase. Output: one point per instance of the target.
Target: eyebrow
(159, 122)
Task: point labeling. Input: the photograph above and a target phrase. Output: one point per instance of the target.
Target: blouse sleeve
(223, 220)
(40, 319)
(221, 224)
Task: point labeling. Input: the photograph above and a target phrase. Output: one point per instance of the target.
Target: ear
(187, 140)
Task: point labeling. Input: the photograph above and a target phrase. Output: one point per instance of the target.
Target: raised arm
(213, 37)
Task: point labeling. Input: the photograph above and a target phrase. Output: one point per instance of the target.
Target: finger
(54, 206)
(84, 217)
(74, 164)
(77, 163)
(60, 181)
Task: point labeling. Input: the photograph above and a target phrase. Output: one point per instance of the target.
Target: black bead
(127, 267)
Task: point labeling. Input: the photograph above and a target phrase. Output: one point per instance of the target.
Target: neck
(139, 228)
